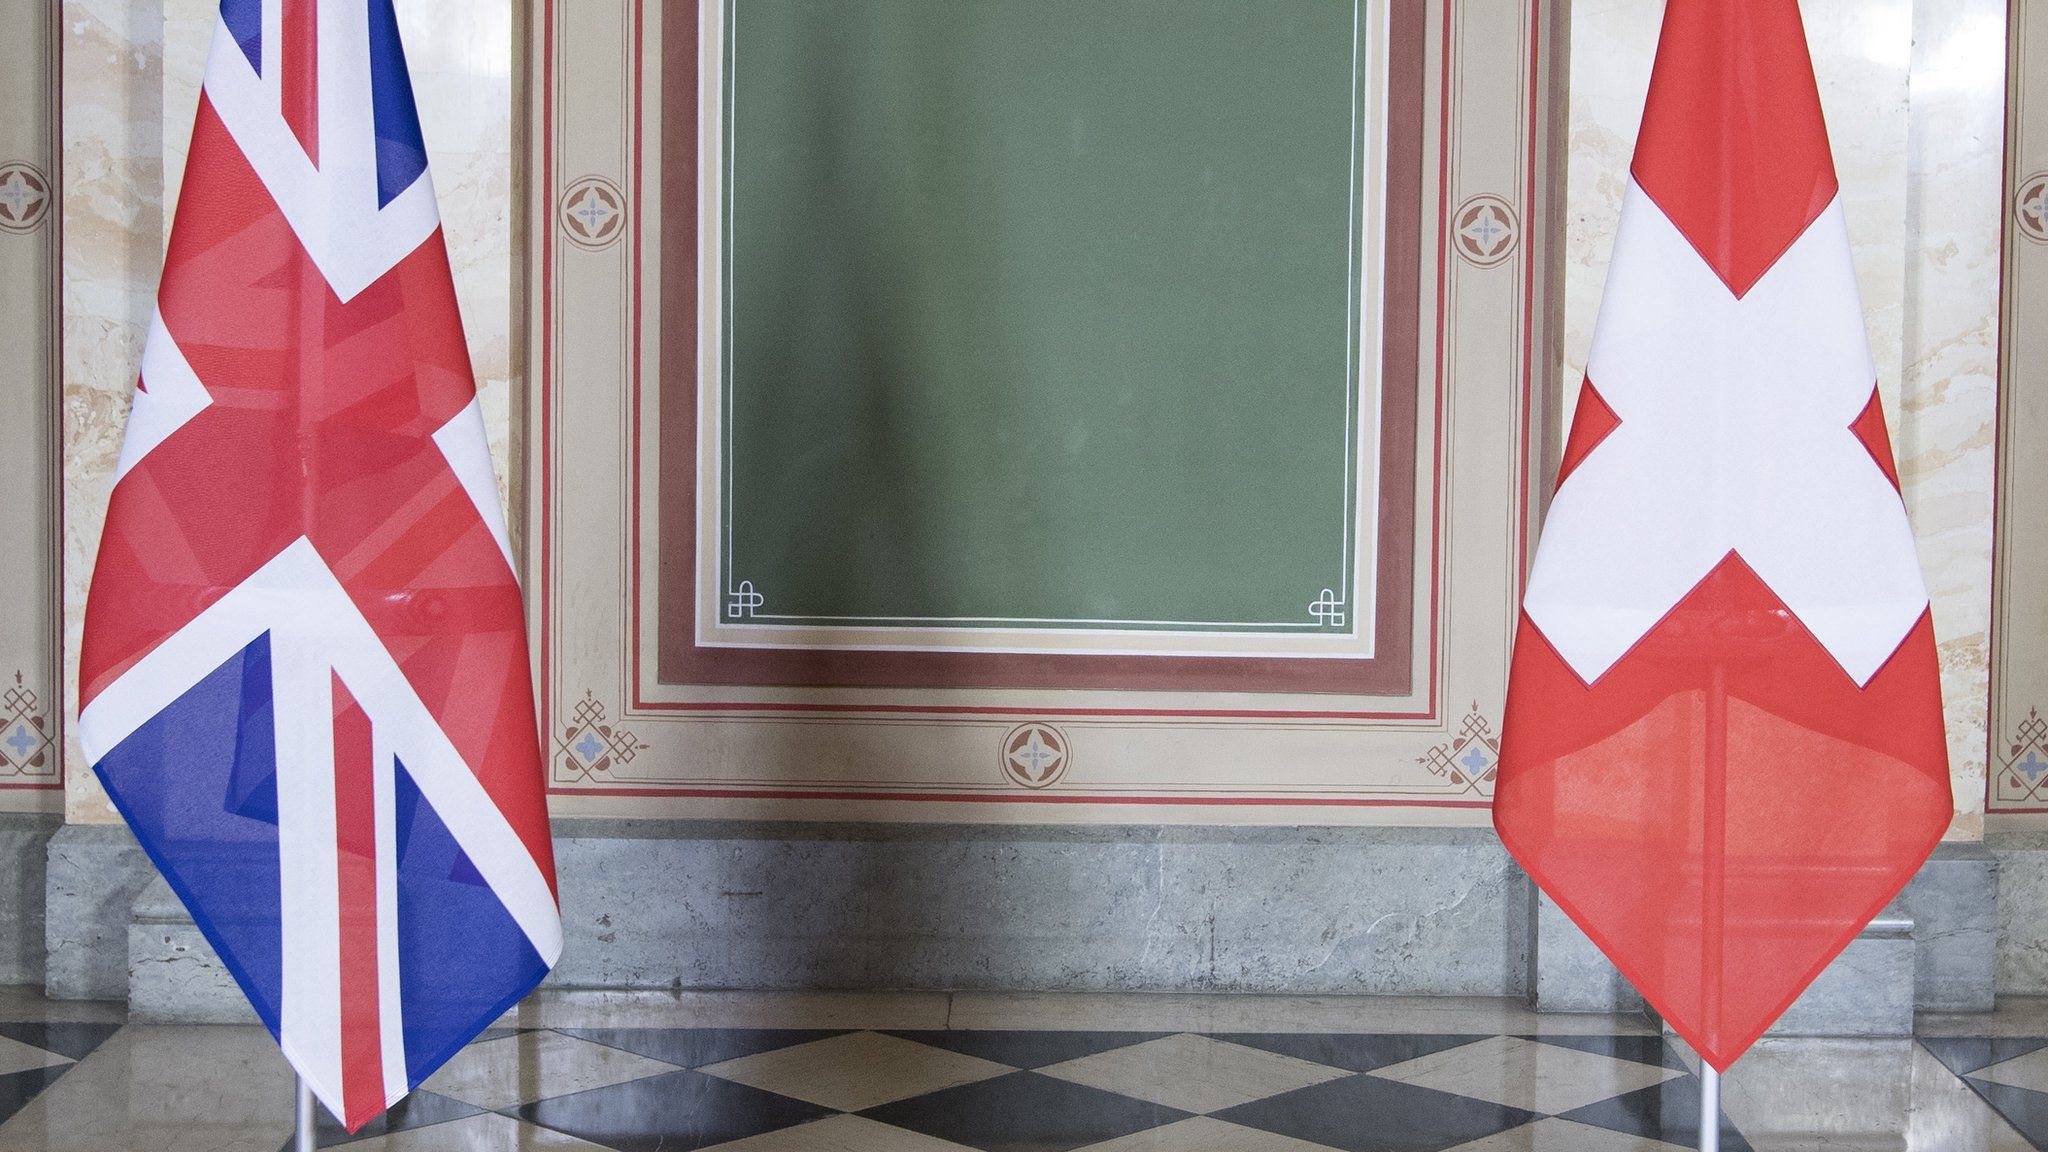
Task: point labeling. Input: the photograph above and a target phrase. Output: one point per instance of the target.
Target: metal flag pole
(303, 1141)
(1710, 1108)
(1715, 844)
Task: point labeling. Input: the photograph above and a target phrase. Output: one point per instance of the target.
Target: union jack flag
(304, 678)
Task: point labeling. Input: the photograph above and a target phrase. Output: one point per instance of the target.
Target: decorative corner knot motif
(1327, 610)
(745, 601)
(1471, 759)
(2023, 770)
(25, 735)
(589, 745)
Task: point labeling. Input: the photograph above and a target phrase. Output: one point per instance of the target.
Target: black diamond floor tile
(1963, 1056)
(1641, 1049)
(1025, 1112)
(1353, 1052)
(673, 1112)
(18, 1088)
(419, 1110)
(1029, 1049)
(1368, 1114)
(697, 1047)
(65, 1038)
(500, 1033)
(1669, 1112)
(2025, 1110)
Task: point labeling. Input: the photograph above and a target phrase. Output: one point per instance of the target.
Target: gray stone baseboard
(1934, 951)
(174, 975)
(24, 855)
(1953, 904)
(95, 873)
(1297, 910)
(2022, 911)
(1866, 992)
(1407, 911)
(659, 905)
(1568, 973)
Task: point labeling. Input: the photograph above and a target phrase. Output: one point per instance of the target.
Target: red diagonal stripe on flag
(300, 79)
(355, 822)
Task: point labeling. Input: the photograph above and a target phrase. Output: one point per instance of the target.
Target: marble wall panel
(113, 224)
(1947, 423)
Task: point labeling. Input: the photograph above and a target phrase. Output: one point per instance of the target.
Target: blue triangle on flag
(198, 784)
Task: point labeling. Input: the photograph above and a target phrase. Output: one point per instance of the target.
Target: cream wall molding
(2017, 792)
(624, 741)
(31, 758)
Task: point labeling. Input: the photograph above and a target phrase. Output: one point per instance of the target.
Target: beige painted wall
(1913, 88)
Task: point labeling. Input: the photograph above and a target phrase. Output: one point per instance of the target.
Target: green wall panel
(1042, 311)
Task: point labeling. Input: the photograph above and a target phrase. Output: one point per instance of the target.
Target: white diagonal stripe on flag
(332, 208)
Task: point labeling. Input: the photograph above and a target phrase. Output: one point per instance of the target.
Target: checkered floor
(34, 1056)
(2010, 1074)
(824, 1090)
(775, 1090)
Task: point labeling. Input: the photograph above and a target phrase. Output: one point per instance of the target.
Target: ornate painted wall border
(31, 755)
(2016, 772)
(1375, 661)
(621, 745)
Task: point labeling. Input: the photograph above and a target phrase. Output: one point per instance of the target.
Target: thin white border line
(1354, 338)
(1358, 269)
(1064, 650)
(1372, 273)
(1142, 627)
(729, 100)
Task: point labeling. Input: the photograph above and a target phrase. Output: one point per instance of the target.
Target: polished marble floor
(1044, 1073)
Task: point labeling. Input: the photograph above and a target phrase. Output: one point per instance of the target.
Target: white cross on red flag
(1723, 750)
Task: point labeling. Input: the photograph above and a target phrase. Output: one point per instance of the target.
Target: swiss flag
(1723, 748)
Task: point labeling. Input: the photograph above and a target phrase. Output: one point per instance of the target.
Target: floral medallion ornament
(593, 213)
(2030, 208)
(1487, 230)
(1035, 755)
(24, 197)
